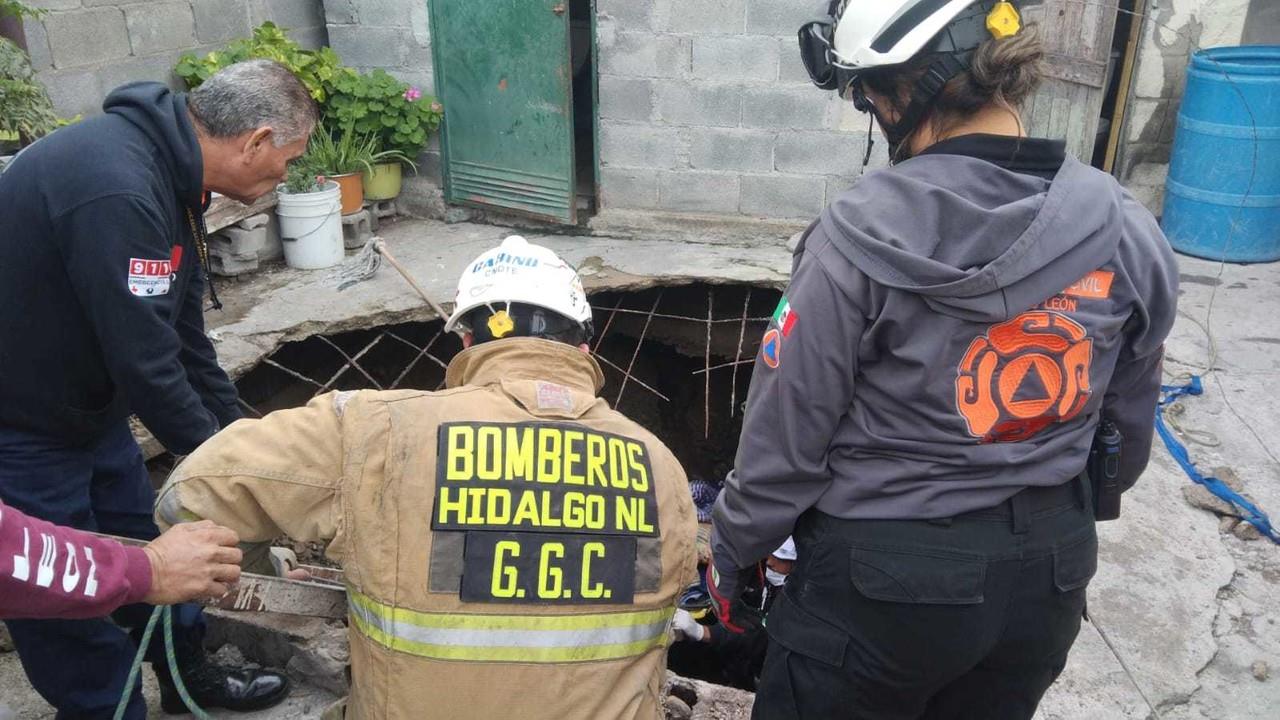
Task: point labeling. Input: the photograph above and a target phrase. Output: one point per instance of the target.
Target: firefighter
(957, 327)
(512, 546)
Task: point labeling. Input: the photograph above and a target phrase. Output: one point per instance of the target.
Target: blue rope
(166, 612)
(1249, 512)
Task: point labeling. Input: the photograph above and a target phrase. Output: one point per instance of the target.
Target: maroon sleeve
(47, 571)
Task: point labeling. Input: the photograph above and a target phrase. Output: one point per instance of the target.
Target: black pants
(970, 617)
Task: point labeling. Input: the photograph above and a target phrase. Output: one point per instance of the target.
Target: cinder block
(37, 45)
(779, 17)
(800, 108)
(703, 104)
(340, 12)
(370, 47)
(231, 266)
(790, 66)
(629, 14)
(291, 14)
(357, 229)
(87, 37)
(73, 92)
(218, 21)
(160, 26)
(731, 149)
(311, 38)
(629, 188)
(638, 146)
(381, 209)
(704, 16)
(384, 13)
(54, 4)
(157, 68)
(640, 54)
(699, 192)
(778, 196)
(420, 23)
(238, 242)
(819, 153)
(628, 99)
(735, 58)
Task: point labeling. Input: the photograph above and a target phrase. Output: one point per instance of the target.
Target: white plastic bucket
(311, 227)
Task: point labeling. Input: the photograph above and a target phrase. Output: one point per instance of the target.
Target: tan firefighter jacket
(513, 548)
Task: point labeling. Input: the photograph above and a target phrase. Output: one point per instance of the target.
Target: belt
(1035, 500)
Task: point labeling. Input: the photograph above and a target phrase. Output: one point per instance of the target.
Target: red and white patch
(148, 278)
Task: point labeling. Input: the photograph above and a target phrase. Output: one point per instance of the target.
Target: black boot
(217, 686)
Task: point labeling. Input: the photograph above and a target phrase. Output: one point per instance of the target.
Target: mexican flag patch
(784, 316)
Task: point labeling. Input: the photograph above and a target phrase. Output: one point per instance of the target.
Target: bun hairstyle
(1003, 72)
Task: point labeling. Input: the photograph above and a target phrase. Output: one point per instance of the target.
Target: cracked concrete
(1185, 619)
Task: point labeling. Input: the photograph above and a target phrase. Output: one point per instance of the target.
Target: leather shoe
(218, 686)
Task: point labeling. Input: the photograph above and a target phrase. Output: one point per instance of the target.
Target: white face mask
(773, 577)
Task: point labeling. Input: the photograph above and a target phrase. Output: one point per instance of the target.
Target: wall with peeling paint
(1172, 31)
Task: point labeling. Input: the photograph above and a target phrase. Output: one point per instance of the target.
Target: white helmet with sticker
(518, 271)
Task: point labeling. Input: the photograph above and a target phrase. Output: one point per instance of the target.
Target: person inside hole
(706, 648)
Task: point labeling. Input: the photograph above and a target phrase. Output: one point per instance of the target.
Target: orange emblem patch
(1024, 375)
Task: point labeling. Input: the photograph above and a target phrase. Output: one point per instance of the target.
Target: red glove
(726, 589)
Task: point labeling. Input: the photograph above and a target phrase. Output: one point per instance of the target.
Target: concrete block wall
(83, 49)
(705, 108)
(1172, 32)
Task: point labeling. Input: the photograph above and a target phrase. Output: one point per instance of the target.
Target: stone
(87, 37)
(1261, 671)
(238, 242)
(709, 702)
(381, 210)
(307, 647)
(254, 222)
(1199, 496)
(1227, 523)
(676, 709)
(357, 229)
(1246, 531)
(454, 215)
(231, 266)
(6, 642)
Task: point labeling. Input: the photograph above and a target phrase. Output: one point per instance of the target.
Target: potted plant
(317, 69)
(308, 205)
(345, 158)
(399, 116)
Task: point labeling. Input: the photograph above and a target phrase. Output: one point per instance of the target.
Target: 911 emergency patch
(148, 278)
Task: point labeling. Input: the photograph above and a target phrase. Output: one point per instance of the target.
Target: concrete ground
(1184, 616)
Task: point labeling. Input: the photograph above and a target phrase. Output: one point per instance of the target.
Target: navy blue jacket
(101, 288)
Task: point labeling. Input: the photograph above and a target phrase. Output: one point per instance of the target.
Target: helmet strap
(922, 98)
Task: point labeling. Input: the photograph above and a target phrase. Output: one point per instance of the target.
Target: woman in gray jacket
(924, 405)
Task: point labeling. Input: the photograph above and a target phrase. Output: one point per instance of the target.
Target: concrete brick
(644, 55)
(38, 45)
(384, 13)
(87, 37)
(819, 153)
(420, 23)
(417, 56)
(638, 146)
(218, 21)
(778, 196)
(735, 58)
(731, 149)
(370, 47)
(629, 14)
(623, 98)
(54, 4)
(73, 92)
(156, 68)
(628, 188)
(801, 108)
(160, 26)
(340, 12)
(699, 104)
(790, 66)
(291, 14)
(836, 186)
(240, 242)
(700, 192)
(703, 16)
(779, 17)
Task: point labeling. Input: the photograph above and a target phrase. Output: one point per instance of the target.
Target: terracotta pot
(352, 185)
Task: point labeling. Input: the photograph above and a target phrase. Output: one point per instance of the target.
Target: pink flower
(412, 94)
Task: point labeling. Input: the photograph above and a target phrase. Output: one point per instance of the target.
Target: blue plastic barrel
(1222, 201)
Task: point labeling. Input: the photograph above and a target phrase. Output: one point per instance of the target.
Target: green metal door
(502, 70)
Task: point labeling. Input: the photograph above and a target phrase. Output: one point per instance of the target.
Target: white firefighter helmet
(518, 271)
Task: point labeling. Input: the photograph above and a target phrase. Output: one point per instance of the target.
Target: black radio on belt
(1104, 471)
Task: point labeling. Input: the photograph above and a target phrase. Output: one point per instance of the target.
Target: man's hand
(686, 628)
(726, 589)
(192, 561)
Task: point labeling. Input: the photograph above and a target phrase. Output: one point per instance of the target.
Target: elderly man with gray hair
(102, 277)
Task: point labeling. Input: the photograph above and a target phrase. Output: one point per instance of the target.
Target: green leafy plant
(304, 176)
(26, 113)
(317, 69)
(15, 8)
(348, 151)
(376, 104)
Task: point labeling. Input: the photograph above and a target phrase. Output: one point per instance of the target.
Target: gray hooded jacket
(952, 332)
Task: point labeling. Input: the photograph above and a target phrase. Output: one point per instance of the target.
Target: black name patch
(538, 568)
